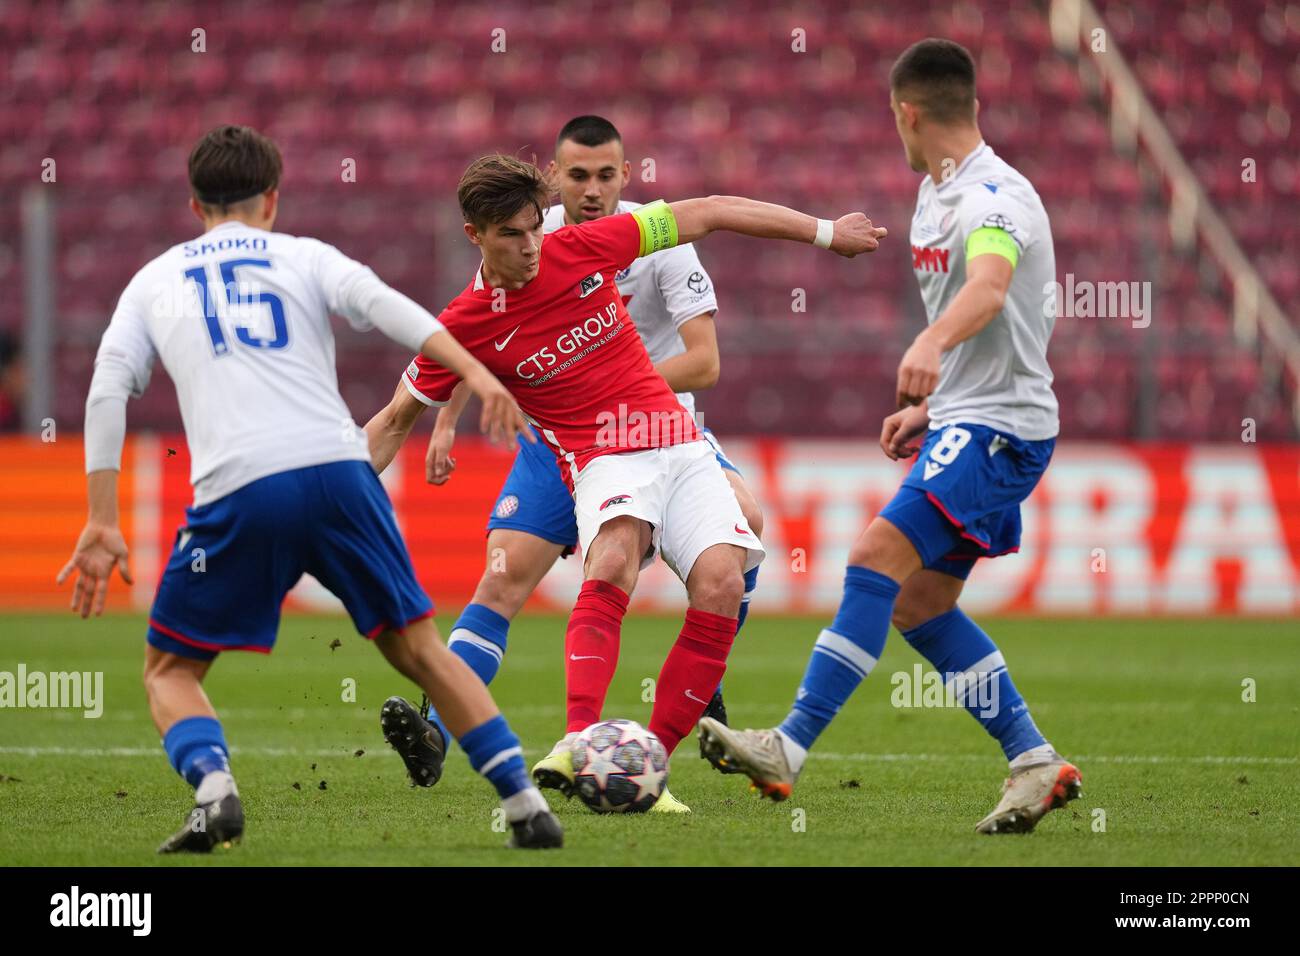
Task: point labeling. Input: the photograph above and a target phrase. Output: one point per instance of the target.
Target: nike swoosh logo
(696, 699)
(740, 530)
(585, 657)
(501, 345)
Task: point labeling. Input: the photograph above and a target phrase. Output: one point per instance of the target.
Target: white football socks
(1043, 753)
(794, 754)
(215, 786)
(524, 804)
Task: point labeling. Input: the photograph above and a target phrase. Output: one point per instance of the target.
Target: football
(619, 767)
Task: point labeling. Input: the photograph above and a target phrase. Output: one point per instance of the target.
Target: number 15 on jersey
(239, 297)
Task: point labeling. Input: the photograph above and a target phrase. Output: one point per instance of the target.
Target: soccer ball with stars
(619, 767)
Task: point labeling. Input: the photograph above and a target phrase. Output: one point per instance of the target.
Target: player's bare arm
(100, 548)
(438, 463)
(387, 430)
(847, 236)
(501, 420)
(121, 370)
(699, 366)
(978, 302)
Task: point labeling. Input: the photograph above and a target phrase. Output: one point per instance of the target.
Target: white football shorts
(681, 491)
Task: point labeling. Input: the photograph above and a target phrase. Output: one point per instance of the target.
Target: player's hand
(501, 420)
(899, 430)
(918, 372)
(438, 463)
(100, 548)
(855, 234)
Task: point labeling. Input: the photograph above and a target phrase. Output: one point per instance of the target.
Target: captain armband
(658, 226)
(988, 239)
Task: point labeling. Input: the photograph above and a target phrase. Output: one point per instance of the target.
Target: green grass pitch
(1183, 770)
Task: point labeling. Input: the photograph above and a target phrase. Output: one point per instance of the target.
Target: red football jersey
(567, 350)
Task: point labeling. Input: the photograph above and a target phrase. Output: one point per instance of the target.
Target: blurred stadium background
(1161, 136)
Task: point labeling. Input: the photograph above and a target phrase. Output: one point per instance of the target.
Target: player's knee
(868, 552)
(884, 549)
(915, 606)
(615, 554)
(719, 591)
(160, 669)
(503, 591)
(613, 565)
(154, 669)
(909, 614)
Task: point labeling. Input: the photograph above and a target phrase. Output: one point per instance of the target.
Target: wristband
(825, 233)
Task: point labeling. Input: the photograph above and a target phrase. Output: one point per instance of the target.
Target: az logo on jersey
(590, 284)
(616, 500)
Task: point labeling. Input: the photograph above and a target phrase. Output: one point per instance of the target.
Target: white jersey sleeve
(333, 271)
(685, 287)
(123, 366)
(126, 352)
(997, 210)
(355, 293)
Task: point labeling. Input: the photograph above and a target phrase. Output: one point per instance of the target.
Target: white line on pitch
(863, 757)
(1115, 758)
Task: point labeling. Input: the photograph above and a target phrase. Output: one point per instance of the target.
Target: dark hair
(939, 77)
(589, 131)
(233, 163)
(494, 188)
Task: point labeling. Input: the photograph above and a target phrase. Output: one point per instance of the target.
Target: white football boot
(1030, 793)
(756, 753)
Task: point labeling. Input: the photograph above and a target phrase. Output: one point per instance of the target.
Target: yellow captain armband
(658, 226)
(989, 239)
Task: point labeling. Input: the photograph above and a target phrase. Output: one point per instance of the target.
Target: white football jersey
(662, 292)
(240, 319)
(999, 377)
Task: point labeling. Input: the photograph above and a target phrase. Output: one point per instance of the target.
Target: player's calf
(494, 751)
(196, 748)
(691, 674)
(469, 713)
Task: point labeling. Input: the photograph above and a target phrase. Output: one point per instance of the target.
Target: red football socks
(691, 674)
(591, 650)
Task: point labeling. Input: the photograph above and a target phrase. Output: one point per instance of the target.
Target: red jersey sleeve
(614, 241)
(428, 381)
